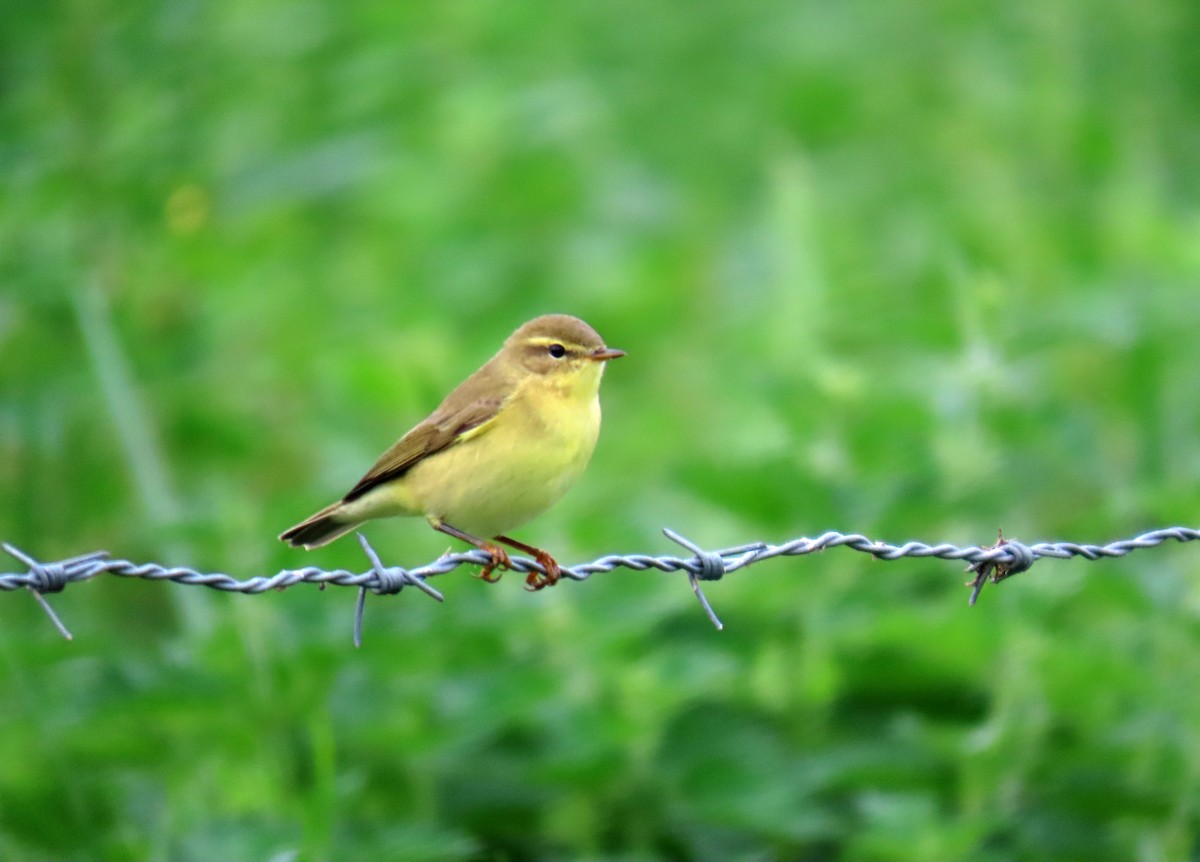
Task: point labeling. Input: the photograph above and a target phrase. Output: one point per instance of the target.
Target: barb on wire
(1007, 557)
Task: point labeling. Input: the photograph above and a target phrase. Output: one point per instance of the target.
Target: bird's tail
(321, 528)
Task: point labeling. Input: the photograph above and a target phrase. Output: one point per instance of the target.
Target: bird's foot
(536, 580)
(500, 560)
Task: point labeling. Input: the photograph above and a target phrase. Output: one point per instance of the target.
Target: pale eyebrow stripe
(543, 341)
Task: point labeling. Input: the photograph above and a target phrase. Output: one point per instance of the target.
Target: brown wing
(441, 430)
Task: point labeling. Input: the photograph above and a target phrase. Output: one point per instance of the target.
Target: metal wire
(987, 562)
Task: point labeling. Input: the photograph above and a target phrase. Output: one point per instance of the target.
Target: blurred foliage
(912, 269)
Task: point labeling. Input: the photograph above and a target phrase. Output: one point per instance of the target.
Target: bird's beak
(605, 353)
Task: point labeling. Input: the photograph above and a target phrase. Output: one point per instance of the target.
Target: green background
(910, 269)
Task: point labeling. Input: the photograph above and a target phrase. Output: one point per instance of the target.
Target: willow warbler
(503, 447)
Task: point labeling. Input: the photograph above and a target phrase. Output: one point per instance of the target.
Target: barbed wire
(992, 563)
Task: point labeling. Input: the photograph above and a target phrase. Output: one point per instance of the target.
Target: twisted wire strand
(987, 562)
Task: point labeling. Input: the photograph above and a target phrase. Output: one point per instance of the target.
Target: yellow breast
(520, 464)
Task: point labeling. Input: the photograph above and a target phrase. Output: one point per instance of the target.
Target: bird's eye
(558, 351)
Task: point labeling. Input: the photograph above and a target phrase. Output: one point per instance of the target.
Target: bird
(505, 445)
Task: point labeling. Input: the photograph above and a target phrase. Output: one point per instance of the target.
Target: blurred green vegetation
(911, 269)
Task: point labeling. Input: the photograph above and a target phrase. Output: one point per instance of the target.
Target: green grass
(914, 270)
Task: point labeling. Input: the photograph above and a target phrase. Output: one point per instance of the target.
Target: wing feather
(445, 427)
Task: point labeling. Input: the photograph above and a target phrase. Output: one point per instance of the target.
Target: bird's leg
(500, 558)
(536, 580)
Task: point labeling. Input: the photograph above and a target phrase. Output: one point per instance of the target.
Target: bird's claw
(500, 560)
(536, 580)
